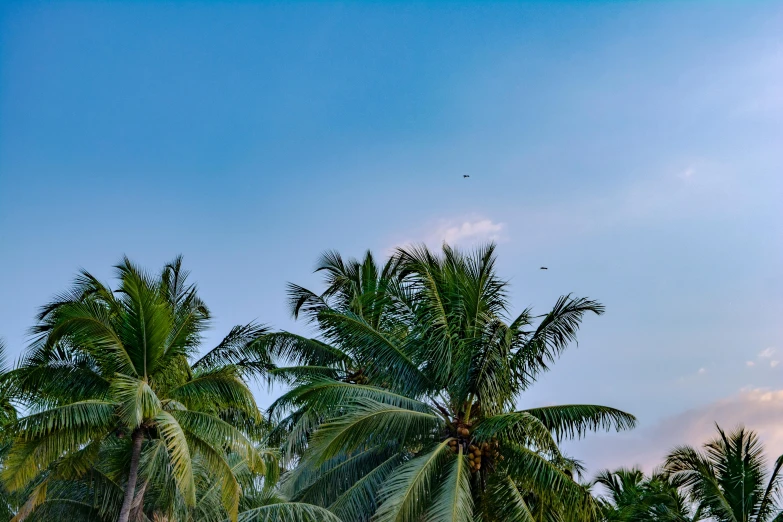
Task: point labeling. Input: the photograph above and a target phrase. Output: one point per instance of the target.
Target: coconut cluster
(358, 378)
(484, 453)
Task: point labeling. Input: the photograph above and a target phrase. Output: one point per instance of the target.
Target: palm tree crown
(404, 407)
(729, 479)
(110, 377)
(634, 497)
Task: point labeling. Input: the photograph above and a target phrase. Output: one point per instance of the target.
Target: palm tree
(634, 497)
(110, 379)
(403, 407)
(729, 479)
(7, 419)
(362, 289)
(95, 497)
(7, 409)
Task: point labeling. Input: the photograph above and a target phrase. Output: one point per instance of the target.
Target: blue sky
(636, 149)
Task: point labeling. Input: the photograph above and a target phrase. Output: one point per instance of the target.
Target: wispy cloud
(765, 358)
(457, 232)
(758, 409)
(481, 230)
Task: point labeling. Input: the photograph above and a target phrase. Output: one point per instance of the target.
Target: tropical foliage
(124, 421)
(633, 497)
(407, 405)
(7, 419)
(404, 407)
(729, 479)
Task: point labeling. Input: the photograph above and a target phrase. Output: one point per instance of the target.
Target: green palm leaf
(44, 437)
(179, 452)
(219, 434)
(453, 502)
(542, 477)
(575, 420)
(288, 512)
(324, 394)
(370, 422)
(519, 427)
(88, 324)
(138, 402)
(216, 390)
(358, 502)
(404, 495)
(508, 501)
(553, 334)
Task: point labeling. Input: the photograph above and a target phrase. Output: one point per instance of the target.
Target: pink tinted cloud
(757, 409)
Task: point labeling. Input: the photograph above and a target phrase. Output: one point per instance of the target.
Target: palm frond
(289, 348)
(147, 319)
(546, 480)
(51, 378)
(296, 375)
(88, 324)
(359, 501)
(518, 427)
(370, 423)
(556, 330)
(768, 501)
(219, 434)
(323, 395)
(44, 437)
(221, 473)
(137, 401)
(378, 350)
(238, 348)
(508, 502)
(322, 485)
(288, 512)
(179, 453)
(215, 390)
(453, 501)
(574, 420)
(405, 494)
(697, 476)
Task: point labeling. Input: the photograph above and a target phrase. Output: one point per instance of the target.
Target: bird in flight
(544, 268)
(465, 176)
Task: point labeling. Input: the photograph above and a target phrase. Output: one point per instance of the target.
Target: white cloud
(687, 173)
(767, 353)
(702, 371)
(772, 364)
(760, 410)
(463, 232)
(480, 230)
(750, 363)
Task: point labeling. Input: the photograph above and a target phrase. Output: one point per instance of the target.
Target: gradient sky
(636, 149)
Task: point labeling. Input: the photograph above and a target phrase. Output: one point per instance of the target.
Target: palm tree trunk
(130, 487)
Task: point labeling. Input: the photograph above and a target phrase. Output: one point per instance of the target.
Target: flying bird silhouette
(465, 176)
(544, 268)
